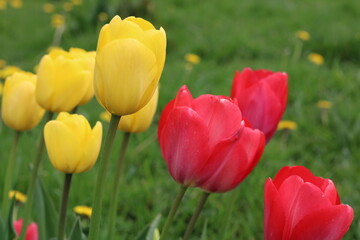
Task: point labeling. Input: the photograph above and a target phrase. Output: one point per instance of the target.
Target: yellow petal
(125, 70)
(145, 25)
(63, 146)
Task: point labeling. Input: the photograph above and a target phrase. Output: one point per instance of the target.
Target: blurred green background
(227, 36)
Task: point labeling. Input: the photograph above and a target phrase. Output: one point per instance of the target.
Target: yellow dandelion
(19, 196)
(68, 6)
(105, 116)
(316, 58)
(303, 35)
(2, 63)
(3, 4)
(323, 104)
(83, 211)
(57, 20)
(48, 8)
(287, 125)
(16, 3)
(9, 70)
(103, 16)
(192, 58)
(76, 2)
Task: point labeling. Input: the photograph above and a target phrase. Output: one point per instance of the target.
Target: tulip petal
(299, 199)
(274, 215)
(125, 71)
(231, 161)
(90, 149)
(328, 223)
(62, 145)
(300, 171)
(221, 115)
(183, 98)
(145, 25)
(184, 143)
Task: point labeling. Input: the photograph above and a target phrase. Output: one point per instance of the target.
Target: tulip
(65, 79)
(299, 205)
(129, 61)
(72, 145)
(31, 232)
(20, 110)
(205, 144)
(262, 96)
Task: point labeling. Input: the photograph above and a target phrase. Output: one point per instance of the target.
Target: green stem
(195, 216)
(64, 201)
(10, 174)
(31, 188)
(115, 191)
(99, 188)
(172, 212)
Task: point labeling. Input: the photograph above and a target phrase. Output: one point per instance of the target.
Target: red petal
(184, 144)
(274, 217)
(300, 199)
(231, 161)
(220, 114)
(328, 223)
(300, 171)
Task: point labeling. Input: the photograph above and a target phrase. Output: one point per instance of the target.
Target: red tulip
(299, 205)
(31, 232)
(262, 97)
(205, 144)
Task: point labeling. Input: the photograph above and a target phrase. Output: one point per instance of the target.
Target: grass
(228, 36)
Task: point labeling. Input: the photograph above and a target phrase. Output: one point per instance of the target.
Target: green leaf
(51, 215)
(10, 230)
(153, 226)
(2, 226)
(76, 232)
(40, 217)
(148, 231)
(204, 231)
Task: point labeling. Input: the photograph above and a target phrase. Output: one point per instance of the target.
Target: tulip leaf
(2, 226)
(204, 231)
(76, 232)
(153, 227)
(148, 231)
(40, 217)
(10, 232)
(50, 213)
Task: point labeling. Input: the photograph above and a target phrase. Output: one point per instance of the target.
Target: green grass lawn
(228, 36)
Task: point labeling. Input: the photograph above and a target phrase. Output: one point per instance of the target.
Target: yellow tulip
(141, 120)
(20, 110)
(129, 61)
(72, 145)
(65, 79)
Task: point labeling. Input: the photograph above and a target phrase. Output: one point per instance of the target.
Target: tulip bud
(31, 232)
(205, 144)
(65, 79)
(262, 97)
(129, 61)
(72, 145)
(141, 120)
(20, 110)
(299, 205)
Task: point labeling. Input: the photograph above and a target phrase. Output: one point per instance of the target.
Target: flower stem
(31, 188)
(195, 216)
(64, 201)
(115, 191)
(99, 188)
(172, 212)
(9, 174)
